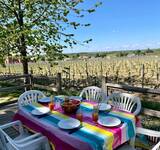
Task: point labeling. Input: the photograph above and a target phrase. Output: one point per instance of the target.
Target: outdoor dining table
(91, 136)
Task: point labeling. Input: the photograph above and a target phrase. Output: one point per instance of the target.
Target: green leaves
(66, 12)
(91, 10)
(86, 25)
(74, 24)
(77, 11)
(98, 4)
(87, 41)
(40, 26)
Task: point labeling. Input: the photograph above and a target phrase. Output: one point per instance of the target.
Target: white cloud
(115, 30)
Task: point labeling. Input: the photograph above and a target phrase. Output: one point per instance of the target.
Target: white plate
(44, 100)
(69, 123)
(40, 111)
(109, 121)
(104, 106)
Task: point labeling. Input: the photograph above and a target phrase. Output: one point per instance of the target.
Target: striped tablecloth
(91, 136)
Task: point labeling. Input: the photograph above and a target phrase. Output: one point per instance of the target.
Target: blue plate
(45, 100)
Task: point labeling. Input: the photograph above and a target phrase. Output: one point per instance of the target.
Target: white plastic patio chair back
(6, 142)
(21, 142)
(126, 102)
(35, 143)
(92, 93)
(152, 135)
(157, 146)
(29, 97)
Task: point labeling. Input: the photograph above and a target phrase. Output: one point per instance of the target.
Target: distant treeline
(120, 53)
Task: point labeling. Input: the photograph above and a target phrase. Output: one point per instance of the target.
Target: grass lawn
(8, 97)
(12, 96)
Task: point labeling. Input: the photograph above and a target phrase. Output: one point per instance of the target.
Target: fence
(29, 84)
(107, 86)
(26, 84)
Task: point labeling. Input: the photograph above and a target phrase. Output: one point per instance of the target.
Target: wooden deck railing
(28, 83)
(24, 84)
(107, 86)
(58, 88)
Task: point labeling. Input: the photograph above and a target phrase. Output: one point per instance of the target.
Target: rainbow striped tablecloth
(90, 137)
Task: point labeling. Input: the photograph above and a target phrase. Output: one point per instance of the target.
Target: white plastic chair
(157, 146)
(152, 135)
(126, 102)
(29, 97)
(22, 142)
(93, 93)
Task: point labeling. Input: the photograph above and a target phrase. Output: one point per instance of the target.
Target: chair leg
(132, 142)
(47, 146)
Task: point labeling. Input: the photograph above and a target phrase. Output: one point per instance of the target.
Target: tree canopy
(30, 28)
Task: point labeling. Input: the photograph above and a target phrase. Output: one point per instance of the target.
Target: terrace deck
(7, 112)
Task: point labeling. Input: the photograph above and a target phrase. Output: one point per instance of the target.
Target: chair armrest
(36, 141)
(139, 106)
(29, 138)
(148, 132)
(157, 146)
(11, 124)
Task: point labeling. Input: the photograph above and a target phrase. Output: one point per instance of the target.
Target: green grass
(8, 97)
(150, 122)
(11, 96)
(151, 105)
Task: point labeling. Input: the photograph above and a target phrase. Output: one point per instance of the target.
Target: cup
(95, 116)
(95, 113)
(79, 116)
(51, 106)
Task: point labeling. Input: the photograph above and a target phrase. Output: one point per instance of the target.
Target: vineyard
(140, 71)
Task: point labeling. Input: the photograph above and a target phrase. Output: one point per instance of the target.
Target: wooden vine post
(104, 87)
(157, 74)
(101, 69)
(87, 71)
(142, 75)
(59, 83)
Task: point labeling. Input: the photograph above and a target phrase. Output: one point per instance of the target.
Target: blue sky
(120, 25)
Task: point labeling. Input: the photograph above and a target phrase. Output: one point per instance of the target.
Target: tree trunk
(25, 65)
(24, 55)
(24, 58)
(22, 42)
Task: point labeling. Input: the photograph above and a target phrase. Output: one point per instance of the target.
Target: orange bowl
(71, 106)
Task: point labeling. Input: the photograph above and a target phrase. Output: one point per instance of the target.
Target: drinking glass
(95, 114)
(79, 115)
(51, 104)
(58, 102)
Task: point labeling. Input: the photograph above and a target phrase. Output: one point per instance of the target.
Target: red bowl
(71, 106)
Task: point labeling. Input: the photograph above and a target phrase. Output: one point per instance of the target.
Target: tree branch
(8, 7)
(35, 20)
